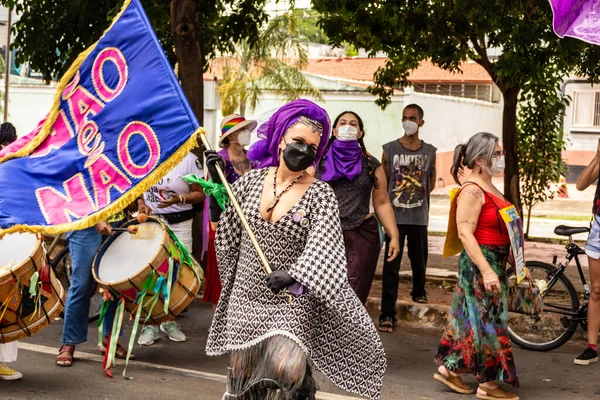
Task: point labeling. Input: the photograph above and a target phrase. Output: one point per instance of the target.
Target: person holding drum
(235, 136)
(83, 245)
(8, 351)
(271, 339)
(172, 200)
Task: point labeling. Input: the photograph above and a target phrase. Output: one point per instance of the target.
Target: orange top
(491, 229)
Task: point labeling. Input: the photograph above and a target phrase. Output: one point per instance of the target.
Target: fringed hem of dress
(255, 342)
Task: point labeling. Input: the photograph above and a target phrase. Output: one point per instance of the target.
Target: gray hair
(465, 155)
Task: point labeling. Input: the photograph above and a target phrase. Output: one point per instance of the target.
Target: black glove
(214, 208)
(212, 159)
(278, 280)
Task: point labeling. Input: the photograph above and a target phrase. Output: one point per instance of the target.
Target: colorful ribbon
(216, 190)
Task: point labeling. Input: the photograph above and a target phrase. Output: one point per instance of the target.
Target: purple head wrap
(265, 151)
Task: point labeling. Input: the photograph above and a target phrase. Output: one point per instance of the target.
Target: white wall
(579, 139)
(380, 126)
(451, 120)
(27, 106)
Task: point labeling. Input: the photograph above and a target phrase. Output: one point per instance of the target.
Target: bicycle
(561, 312)
(62, 266)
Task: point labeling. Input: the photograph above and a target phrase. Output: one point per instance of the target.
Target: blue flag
(119, 122)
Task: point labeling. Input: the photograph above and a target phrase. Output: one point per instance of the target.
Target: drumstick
(239, 211)
(133, 229)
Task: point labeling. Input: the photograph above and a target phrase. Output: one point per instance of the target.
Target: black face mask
(298, 156)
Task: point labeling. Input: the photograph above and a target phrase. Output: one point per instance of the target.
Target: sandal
(120, 353)
(386, 324)
(494, 394)
(421, 299)
(65, 355)
(454, 382)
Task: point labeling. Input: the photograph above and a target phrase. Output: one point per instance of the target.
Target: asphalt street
(169, 370)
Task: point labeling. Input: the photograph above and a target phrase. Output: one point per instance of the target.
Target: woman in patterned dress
(358, 181)
(272, 341)
(475, 340)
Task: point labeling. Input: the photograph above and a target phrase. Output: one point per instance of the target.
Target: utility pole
(7, 73)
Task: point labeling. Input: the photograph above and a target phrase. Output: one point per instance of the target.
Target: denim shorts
(592, 246)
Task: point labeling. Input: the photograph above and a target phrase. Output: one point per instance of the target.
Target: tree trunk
(189, 57)
(191, 67)
(243, 108)
(509, 142)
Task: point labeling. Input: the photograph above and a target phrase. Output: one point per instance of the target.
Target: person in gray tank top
(409, 165)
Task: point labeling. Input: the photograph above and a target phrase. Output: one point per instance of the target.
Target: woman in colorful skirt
(475, 340)
(357, 178)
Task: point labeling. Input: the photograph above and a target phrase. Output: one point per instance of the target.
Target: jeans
(83, 245)
(418, 249)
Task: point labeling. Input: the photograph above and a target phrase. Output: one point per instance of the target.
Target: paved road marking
(183, 371)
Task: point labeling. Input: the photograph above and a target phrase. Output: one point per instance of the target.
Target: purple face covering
(577, 18)
(343, 160)
(265, 152)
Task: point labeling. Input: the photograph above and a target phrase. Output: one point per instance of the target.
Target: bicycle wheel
(552, 327)
(63, 268)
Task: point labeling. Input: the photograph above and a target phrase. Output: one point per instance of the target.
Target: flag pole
(238, 210)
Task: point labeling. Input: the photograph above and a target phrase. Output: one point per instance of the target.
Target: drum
(31, 296)
(136, 267)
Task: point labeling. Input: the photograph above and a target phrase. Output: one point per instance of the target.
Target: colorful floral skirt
(475, 340)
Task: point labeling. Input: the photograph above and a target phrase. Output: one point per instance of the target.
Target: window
(483, 92)
(586, 109)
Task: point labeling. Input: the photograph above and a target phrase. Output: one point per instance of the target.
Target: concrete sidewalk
(442, 277)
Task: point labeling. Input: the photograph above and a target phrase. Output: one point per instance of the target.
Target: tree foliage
(272, 63)
(448, 32)
(540, 140)
(50, 34)
(307, 28)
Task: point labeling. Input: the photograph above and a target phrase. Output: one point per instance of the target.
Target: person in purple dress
(235, 136)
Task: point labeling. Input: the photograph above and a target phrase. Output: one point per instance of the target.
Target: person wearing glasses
(475, 340)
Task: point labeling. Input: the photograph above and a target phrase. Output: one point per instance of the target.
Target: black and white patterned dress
(328, 322)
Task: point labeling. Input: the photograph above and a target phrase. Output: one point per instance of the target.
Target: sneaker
(9, 374)
(173, 331)
(148, 336)
(588, 356)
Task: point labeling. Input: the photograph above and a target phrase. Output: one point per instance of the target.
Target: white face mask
(244, 138)
(498, 165)
(410, 127)
(347, 133)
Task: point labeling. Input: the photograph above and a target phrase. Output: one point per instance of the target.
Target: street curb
(408, 311)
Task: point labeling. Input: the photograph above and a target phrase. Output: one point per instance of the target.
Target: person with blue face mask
(409, 166)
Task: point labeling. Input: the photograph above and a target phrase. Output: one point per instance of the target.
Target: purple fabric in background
(577, 18)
